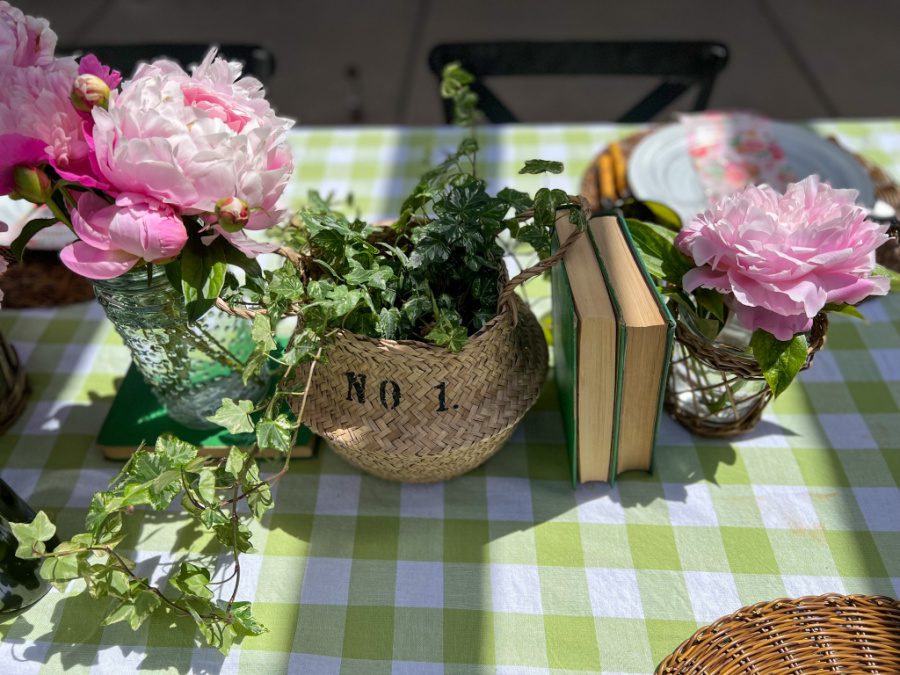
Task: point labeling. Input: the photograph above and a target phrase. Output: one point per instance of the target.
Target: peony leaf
(882, 271)
(779, 360)
(32, 227)
(844, 308)
(202, 276)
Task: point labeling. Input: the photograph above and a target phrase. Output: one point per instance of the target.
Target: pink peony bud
(233, 213)
(32, 184)
(88, 92)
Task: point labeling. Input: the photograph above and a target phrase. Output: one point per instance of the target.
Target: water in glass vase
(190, 367)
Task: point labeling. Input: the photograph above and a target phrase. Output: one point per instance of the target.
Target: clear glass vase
(714, 386)
(190, 367)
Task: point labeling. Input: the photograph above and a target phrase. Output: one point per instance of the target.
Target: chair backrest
(258, 61)
(679, 64)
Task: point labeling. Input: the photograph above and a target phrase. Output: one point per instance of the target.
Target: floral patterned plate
(662, 169)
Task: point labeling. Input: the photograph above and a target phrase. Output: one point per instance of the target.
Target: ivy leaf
(225, 535)
(61, 569)
(519, 201)
(779, 360)
(32, 536)
(453, 338)
(261, 333)
(244, 621)
(344, 300)
(177, 451)
(192, 579)
(536, 166)
(389, 323)
(234, 464)
(206, 485)
(260, 500)
(135, 611)
(274, 434)
(235, 417)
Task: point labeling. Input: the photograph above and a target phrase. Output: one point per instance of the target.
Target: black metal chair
(258, 61)
(681, 65)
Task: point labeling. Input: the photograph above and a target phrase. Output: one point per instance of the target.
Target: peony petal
(95, 263)
(781, 326)
(91, 219)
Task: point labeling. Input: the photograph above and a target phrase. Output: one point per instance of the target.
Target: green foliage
(706, 310)
(432, 276)
(541, 166)
(235, 417)
(780, 360)
(32, 537)
(157, 477)
(882, 271)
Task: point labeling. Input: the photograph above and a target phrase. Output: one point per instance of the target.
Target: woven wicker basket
(829, 633)
(414, 412)
(14, 388)
(720, 372)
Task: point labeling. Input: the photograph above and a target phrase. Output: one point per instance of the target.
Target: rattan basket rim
(787, 610)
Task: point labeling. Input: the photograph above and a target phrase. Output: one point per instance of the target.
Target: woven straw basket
(816, 634)
(415, 412)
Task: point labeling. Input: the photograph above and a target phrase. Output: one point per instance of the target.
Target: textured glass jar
(189, 367)
(714, 386)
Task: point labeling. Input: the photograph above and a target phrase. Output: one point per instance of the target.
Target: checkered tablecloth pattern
(507, 569)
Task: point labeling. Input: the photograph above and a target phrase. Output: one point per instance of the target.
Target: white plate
(661, 170)
(17, 212)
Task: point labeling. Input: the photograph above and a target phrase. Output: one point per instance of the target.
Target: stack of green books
(612, 344)
(136, 417)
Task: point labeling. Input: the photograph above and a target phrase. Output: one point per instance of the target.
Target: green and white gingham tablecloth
(507, 569)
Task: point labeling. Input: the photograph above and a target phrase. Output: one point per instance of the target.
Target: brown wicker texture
(41, 280)
(414, 412)
(741, 407)
(815, 634)
(14, 387)
(410, 411)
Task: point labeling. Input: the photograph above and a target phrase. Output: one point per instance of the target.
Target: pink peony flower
(38, 123)
(115, 237)
(90, 65)
(190, 141)
(24, 40)
(779, 259)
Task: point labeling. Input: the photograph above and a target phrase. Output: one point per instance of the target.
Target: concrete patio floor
(794, 60)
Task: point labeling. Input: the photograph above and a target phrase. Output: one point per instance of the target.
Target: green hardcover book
(645, 351)
(135, 416)
(585, 337)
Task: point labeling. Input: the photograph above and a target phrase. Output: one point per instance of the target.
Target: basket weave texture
(742, 411)
(414, 412)
(814, 634)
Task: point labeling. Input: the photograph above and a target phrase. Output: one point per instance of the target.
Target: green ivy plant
(432, 275)
(779, 360)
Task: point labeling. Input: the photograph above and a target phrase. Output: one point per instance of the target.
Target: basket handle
(507, 293)
(242, 312)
